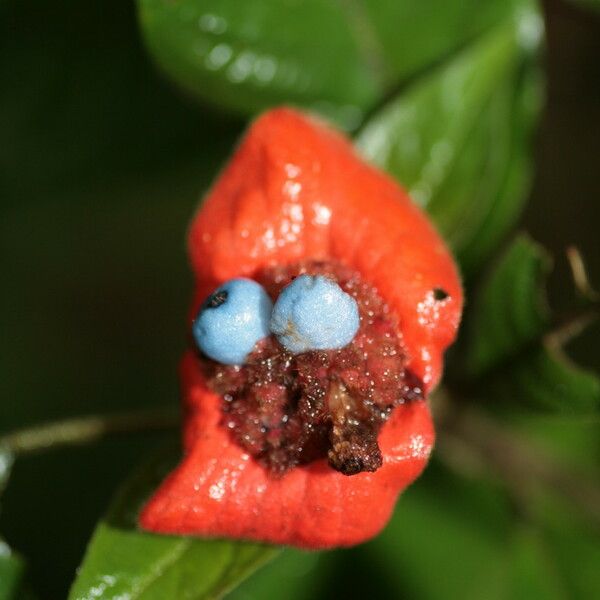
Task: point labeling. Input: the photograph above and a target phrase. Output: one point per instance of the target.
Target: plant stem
(85, 430)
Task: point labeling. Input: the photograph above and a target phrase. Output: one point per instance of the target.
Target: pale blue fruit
(314, 313)
(231, 320)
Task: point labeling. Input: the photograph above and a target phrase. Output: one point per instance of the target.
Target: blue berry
(314, 313)
(231, 320)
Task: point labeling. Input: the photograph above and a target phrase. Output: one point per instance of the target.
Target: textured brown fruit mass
(287, 409)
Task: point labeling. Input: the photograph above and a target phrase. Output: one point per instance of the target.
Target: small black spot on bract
(440, 294)
(217, 299)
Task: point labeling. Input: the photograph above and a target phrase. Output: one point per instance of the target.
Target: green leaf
(546, 379)
(338, 58)
(510, 312)
(11, 572)
(297, 574)
(124, 562)
(532, 572)
(416, 34)
(458, 139)
(573, 544)
(574, 442)
(248, 55)
(445, 540)
(453, 536)
(513, 348)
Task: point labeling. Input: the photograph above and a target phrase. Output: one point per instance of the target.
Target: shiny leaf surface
(415, 34)
(124, 562)
(249, 55)
(334, 57)
(458, 138)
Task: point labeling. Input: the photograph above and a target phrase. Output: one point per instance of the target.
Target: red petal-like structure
(295, 190)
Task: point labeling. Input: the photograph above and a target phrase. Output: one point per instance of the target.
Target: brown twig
(86, 430)
(580, 276)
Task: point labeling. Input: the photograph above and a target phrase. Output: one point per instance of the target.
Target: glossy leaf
(334, 57)
(458, 138)
(415, 34)
(512, 349)
(248, 55)
(124, 562)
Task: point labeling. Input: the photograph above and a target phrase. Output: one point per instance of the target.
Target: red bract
(295, 190)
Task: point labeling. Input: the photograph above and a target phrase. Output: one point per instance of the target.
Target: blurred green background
(102, 162)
